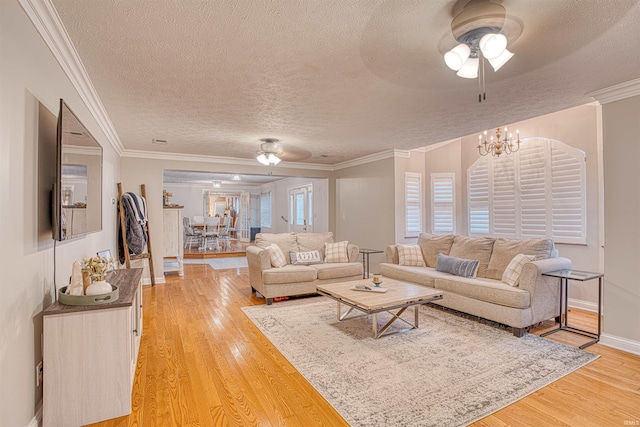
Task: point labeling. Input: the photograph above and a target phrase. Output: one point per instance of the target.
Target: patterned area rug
(221, 263)
(449, 372)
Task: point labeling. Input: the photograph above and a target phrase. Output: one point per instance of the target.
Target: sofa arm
(353, 252)
(391, 253)
(258, 261)
(544, 290)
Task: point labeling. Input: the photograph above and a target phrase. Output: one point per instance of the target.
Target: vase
(99, 287)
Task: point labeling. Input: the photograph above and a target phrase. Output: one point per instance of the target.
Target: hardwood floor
(203, 363)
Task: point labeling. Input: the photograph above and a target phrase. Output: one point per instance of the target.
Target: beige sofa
(291, 280)
(534, 299)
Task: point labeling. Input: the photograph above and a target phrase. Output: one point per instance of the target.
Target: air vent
(160, 141)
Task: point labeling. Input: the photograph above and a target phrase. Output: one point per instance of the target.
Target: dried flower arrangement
(98, 267)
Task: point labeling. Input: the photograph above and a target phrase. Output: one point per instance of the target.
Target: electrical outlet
(39, 374)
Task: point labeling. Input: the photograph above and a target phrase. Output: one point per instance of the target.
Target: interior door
(301, 209)
(245, 217)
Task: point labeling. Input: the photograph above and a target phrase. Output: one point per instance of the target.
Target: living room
(366, 194)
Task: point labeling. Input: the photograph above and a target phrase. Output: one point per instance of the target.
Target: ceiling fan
(272, 152)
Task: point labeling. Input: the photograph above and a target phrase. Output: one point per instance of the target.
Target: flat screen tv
(77, 193)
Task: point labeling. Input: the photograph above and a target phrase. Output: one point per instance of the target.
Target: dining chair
(210, 232)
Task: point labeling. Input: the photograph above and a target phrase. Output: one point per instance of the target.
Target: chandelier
(478, 30)
(498, 146)
(269, 154)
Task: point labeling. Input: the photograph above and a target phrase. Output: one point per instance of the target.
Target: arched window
(536, 192)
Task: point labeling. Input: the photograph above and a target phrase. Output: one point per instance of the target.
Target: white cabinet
(90, 356)
(173, 240)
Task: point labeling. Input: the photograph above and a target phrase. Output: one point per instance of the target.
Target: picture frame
(106, 254)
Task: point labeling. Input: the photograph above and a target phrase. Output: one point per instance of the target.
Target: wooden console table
(90, 355)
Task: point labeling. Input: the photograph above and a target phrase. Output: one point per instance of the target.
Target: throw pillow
(336, 252)
(511, 275)
(277, 256)
(410, 255)
(305, 258)
(433, 245)
(457, 266)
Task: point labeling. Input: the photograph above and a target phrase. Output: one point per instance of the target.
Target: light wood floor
(203, 363)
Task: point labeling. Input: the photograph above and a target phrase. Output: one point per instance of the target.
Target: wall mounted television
(77, 192)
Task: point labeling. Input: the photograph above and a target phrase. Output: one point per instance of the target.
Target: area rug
(449, 372)
(221, 263)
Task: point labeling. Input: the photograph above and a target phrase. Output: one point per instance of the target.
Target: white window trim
(413, 177)
(450, 177)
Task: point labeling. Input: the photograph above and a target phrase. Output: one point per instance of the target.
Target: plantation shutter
(504, 219)
(413, 203)
(478, 197)
(568, 217)
(443, 213)
(532, 181)
(536, 192)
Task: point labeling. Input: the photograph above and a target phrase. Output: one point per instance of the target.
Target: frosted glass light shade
(498, 62)
(470, 69)
(456, 57)
(272, 158)
(263, 159)
(492, 45)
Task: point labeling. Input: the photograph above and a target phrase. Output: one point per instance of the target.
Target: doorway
(301, 209)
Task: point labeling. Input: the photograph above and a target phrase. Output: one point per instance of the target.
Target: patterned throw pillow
(336, 252)
(305, 258)
(511, 275)
(277, 256)
(457, 266)
(410, 255)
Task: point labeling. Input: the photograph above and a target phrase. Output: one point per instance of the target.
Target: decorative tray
(87, 299)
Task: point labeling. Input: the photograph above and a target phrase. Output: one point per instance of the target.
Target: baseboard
(36, 421)
(583, 305)
(619, 343)
(159, 280)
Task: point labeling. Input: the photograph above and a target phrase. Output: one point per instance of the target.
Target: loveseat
(271, 280)
(528, 299)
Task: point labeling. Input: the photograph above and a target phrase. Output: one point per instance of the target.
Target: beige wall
(365, 212)
(30, 74)
(621, 127)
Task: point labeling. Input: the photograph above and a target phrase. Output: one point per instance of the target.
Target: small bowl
(377, 283)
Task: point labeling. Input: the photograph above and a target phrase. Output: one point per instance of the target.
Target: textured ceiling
(341, 78)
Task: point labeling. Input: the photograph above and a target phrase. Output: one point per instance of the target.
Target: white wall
(621, 123)
(31, 74)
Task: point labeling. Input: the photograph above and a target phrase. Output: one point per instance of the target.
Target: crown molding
(48, 24)
(155, 155)
(617, 92)
(387, 154)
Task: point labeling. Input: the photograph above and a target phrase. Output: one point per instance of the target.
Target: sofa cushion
(488, 290)
(473, 248)
(286, 241)
(305, 258)
(314, 241)
(505, 249)
(278, 259)
(433, 245)
(289, 274)
(421, 275)
(512, 273)
(338, 270)
(457, 266)
(336, 252)
(410, 255)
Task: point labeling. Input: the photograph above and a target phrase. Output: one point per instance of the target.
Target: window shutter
(533, 195)
(443, 212)
(568, 218)
(504, 219)
(478, 197)
(413, 203)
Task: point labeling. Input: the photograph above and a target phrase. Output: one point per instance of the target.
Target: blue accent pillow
(457, 266)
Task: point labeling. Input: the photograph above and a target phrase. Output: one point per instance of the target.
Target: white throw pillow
(511, 275)
(305, 258)
(336, 252)
(410, 255)
(278, 259)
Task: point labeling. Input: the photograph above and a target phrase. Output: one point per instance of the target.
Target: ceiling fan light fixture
(499, 61)
(470, 69)
(492, 45)
(457, 56)
(273, 159)
(262, 158)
